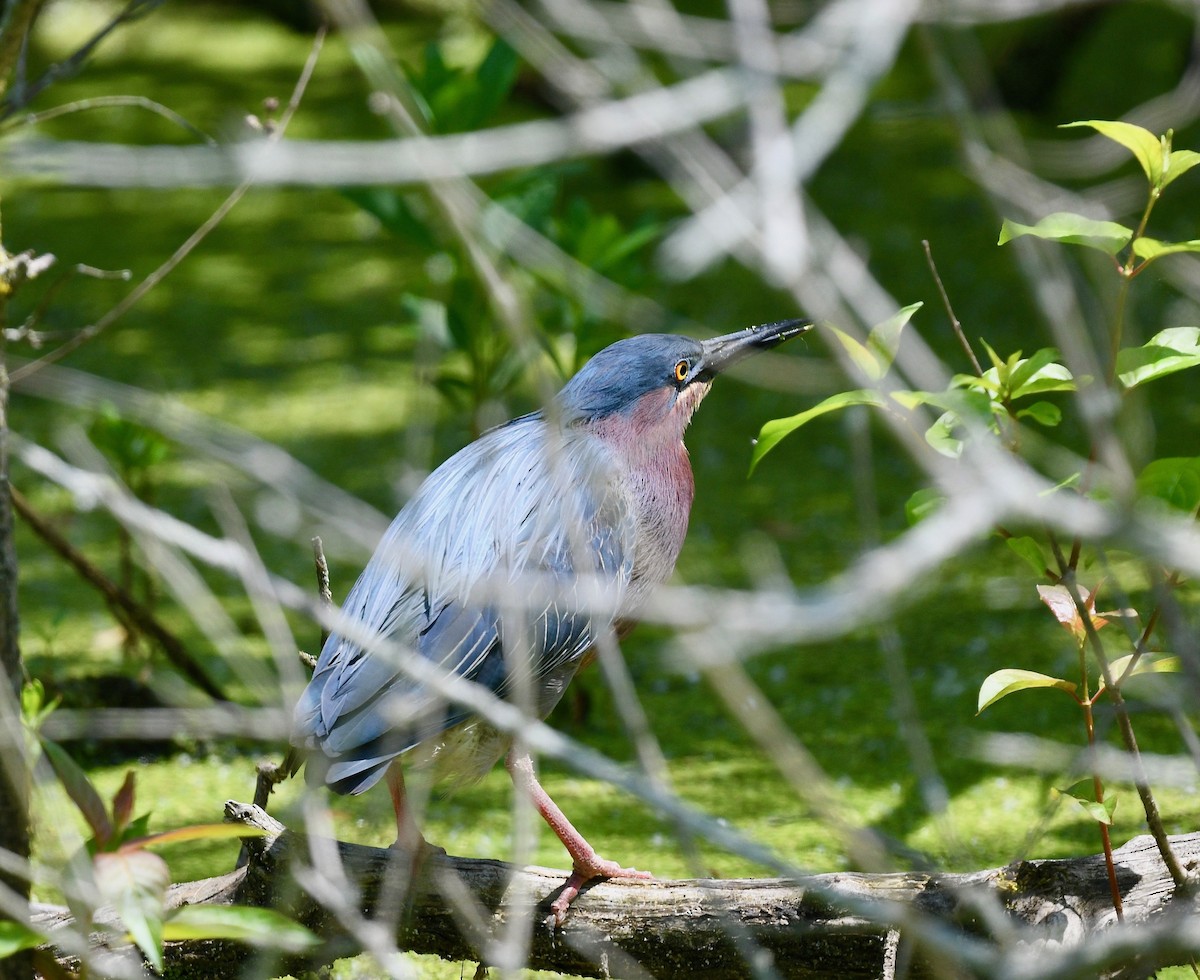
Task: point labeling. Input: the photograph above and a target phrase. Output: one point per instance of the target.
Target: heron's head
(652, 384)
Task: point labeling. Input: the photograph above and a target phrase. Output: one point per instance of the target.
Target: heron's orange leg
(586, 863)
(408, 834)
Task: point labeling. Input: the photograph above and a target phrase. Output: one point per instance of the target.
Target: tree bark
(1055, 916)
(14, 767)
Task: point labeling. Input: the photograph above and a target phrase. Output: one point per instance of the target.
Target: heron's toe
(610, 869)
(585, 872)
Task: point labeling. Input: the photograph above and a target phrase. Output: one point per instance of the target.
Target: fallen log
(1031, 918)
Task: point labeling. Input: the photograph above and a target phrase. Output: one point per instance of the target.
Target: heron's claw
(584, 872)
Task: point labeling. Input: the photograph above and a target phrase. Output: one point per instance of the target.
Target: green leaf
(1002, 683)
(15, 937)
(1100, 812)
(1083, 793)
(1151, 681)
(960, 401)
(1147, 664)
(81, 791)
(987, 382)
(1071, 229)
(458, 325)
(1108, 236)
(1178, 164)
(34, 709)
(33, 698)
(921, 504)
(391, 209)
(494, 80)
(941, 438)
(135, 448)
(436, 72)
(958, 404)
(1044, 413)
(628, 244)
(884, 338)
(255, 926)
(1026, 368)
(774, 431)
(137, 827)
(135, 883)
(1152, 248)
(998, 363)
(1174, 480)
(1143, 144)
(200, 831)
(1168, 351)
(1069, 482)
(1038, 374)
(874, 358)
(861, 356)
(1029, 550)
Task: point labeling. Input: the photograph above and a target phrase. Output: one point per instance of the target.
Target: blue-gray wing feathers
(525, 500)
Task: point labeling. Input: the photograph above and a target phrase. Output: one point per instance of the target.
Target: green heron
(512, 560)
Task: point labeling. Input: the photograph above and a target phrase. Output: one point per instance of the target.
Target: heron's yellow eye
(681, 371)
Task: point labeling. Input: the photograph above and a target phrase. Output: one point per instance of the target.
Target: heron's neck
(649, 441)
(656, 481)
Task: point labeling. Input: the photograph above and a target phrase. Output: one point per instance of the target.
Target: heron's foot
(588, 869)
(422, 847)
(419, 852)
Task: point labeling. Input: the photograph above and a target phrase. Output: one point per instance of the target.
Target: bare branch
(1057, 914)
(136, 614)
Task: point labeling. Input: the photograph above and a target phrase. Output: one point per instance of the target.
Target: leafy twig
(1141, 781)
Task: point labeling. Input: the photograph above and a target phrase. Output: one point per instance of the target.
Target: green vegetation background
(288, 322)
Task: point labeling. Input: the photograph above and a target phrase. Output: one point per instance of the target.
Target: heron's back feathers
(519, 546)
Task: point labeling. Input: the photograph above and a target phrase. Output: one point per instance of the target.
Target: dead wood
(843, 924)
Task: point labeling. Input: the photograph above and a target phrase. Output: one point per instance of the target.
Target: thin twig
(131, 610)
(155, 277)
(1089, 723)
(36, 338)
(271, 774)
(955, 323)
(110, 102)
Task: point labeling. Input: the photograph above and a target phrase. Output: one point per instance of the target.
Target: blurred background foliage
(346, 327)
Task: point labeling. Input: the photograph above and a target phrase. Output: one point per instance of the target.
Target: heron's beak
(720, 353)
